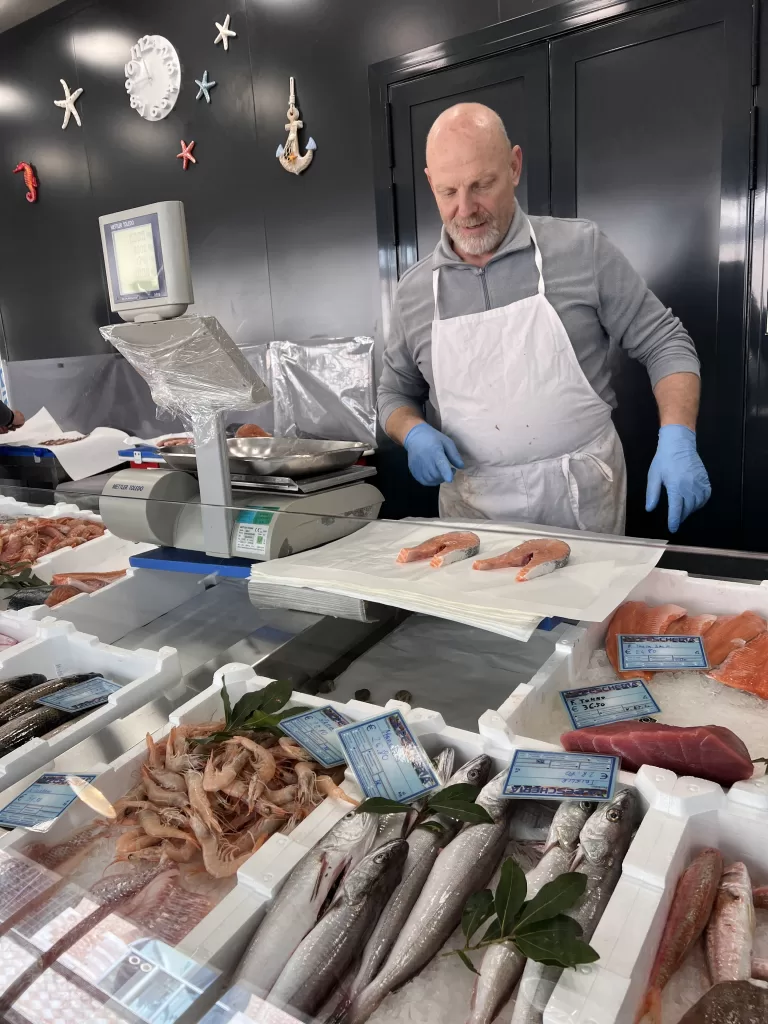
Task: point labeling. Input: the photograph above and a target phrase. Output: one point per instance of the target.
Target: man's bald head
(473, 170)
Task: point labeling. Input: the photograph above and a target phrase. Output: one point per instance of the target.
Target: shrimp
(292, 750)
(151, 823)
(200, 803)
(237, 790)
(156, 753)
(328, 787)
(167, 850)
(305, 770)
(219, 777)
(220, 861)
(163, 797)
(266, 765)
(283, 796)
(136, 839)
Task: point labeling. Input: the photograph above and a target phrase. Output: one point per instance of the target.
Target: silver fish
(731, 927)
(295, 910)
(463, 867)
(604, 841)
(322, 957)
(423, 847)
(504, 963)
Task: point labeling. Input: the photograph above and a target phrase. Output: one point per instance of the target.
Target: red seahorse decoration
(30, 180)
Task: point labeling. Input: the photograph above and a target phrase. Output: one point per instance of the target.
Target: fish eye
(613, 814)
(585, 805)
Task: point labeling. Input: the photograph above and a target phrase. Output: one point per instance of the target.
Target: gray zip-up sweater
(594, 289)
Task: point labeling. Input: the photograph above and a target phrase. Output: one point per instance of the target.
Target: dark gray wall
(273, 255)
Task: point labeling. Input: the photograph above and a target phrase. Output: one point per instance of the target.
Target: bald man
(504, 331)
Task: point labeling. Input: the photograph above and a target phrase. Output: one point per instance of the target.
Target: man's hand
(678, 467)
(18, 420)
(431, 455)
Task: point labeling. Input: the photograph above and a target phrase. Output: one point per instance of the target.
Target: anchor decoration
(289, 155)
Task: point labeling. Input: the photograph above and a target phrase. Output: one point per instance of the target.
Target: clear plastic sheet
(193, 368)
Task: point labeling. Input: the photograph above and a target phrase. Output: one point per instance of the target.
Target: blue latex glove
(677, 465)
(431, 455)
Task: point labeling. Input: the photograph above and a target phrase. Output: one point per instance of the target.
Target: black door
(515, 85)
(651, 139)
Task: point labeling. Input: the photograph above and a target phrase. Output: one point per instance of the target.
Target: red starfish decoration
(186, 153)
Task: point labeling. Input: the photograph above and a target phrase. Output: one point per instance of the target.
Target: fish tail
(650, 1006)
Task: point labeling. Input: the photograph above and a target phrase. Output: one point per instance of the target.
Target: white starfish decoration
(224, 33)
(68, 104)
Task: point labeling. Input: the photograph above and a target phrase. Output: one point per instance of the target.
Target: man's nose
(467, 206)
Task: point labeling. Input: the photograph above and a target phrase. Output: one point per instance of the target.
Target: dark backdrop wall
(273, 255)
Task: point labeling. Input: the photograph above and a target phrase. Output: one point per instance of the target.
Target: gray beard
(476, 245)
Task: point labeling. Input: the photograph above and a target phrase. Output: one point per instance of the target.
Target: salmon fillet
(537, 558)
(637, 617)
(746, 668)
(729, 633)
(443, 549)
(692, 625)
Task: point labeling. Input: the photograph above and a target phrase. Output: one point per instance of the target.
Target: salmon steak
(706, 751)
(746, 668)
(636, 618)
(443, 549)
(533, 558)
(729, 633)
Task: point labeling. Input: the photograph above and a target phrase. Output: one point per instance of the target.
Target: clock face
(153, 77)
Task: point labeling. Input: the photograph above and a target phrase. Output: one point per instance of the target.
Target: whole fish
(603, 842)
(503, 963)
(111, 893)
(18, 684)
(691, 908)
(424, 844)
(464, 867)
(732, 1002)
(26, 726)
(297, 906)
(27, 701)
(321, 959)
(731, 927)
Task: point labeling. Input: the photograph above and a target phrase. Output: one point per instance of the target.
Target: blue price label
(652, 653)
(41, 803)
(81, 696)
(316, 731)
(387, 759)
(545, 775)
(614, 702)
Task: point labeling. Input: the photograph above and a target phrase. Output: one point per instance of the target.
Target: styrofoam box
(533, 703)
(59, 649)
(132, 601)
(610, 991)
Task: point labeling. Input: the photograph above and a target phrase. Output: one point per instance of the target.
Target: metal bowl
(275, 456)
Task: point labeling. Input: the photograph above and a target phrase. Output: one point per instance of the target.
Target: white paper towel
(93, 454)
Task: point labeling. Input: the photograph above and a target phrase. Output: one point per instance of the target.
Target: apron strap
(435, 285)
(538, 259)
(573, 487)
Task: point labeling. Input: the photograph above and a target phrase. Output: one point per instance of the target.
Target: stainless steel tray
(274, 456)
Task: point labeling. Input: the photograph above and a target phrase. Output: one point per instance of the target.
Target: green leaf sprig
(19, 576)
(453, 801)
(539, 927)
(261, 710)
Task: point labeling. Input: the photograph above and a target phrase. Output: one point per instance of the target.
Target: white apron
(538, 443)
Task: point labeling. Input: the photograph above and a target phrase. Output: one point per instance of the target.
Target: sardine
(732, 1002)
(691, 908)
(731, 927)
(603, 843)
(27, 701)
(463, 867)
(34, 722)
(322, 957)
(424, 844)
(18, 684)
(296, 907)
(503, 963)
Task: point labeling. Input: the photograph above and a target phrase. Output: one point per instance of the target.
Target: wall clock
(153, 77)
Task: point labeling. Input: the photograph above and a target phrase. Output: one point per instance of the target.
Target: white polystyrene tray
(132, 601)
(610, 991)
(60, 650)
(534, 702)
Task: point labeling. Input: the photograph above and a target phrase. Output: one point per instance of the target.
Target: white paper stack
(599, 576)
(268, 594)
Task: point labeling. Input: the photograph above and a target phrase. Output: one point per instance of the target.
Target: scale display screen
(135, 258)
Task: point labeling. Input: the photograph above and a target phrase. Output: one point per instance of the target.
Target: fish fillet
(537, 558)
(443, 549)
(637, 617)
(729, 633)
(706, 751)
(692, 625)
(746, 668)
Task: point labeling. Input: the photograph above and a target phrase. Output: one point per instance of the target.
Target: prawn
(328, 787)
(152, 824)
(266, 766)
(167, 850)
(305, 770)
(136, 839)
(155, 752)
(292, 750)
(200, 803)
(163, 797)
(219, 777)
(220, 861)
(283, 796)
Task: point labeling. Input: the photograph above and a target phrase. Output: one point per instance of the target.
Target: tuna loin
(706, 751)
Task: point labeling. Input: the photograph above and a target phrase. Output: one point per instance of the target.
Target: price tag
(613, 702)
(316, 731)
(387, 759)
(41, 803)
(81, 696)
(661, 653)
(544, 775)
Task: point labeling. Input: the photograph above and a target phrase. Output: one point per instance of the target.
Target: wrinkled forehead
(462, 158)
